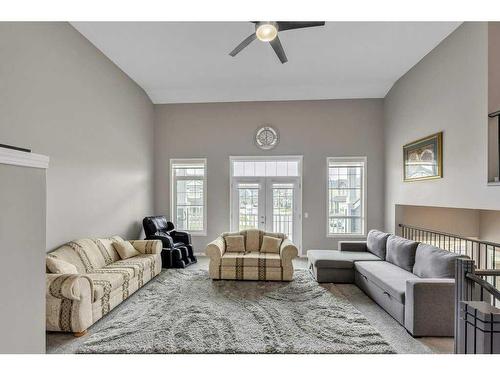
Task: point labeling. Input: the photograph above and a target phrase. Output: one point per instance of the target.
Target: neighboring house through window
(189, 195)
(346, 196)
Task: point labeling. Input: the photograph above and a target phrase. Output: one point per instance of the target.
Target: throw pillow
(376, 243)
(433, 262)
(270, 245)
(55, 265)
(125, 249)
(401, 252)
(235, 244)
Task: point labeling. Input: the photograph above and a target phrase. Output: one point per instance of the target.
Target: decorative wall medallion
(266, 138)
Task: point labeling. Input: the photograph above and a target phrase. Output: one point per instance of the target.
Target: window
(266, 168)
(346, 195)
(189, 194)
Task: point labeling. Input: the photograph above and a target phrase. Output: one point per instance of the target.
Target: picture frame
(423, 158)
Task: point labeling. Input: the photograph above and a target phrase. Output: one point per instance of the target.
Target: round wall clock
(266, 138)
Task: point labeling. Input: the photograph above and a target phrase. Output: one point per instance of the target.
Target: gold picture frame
(423, 158)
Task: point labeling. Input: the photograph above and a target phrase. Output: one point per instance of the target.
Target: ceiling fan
(267, 31)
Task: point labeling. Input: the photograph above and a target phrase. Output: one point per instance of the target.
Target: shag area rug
(184, 311)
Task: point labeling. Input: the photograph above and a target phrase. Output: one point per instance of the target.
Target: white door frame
(262, 181)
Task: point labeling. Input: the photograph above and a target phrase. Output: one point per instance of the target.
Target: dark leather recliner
(177, 249)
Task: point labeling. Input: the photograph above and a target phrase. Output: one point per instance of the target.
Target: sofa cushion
(107, 249)
(401, 252)
(125, 249)
(387, 276)
(235, 243)
(252, 240)
(107, 278)
(376, 242)
(270, 244)
(84, 254)
(432, 262)
(55, 265)
(251, 260)
(338, 259)
(136, 266)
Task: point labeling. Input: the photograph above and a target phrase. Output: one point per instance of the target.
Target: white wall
(22, 265)
(314, 129)
(61, 97)
(464, 222)
(446, 90)
(489, 226)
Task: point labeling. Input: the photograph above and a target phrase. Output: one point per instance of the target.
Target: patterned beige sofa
(76, 301)
(251, 264)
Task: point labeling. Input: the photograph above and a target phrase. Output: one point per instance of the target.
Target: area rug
(183, 311)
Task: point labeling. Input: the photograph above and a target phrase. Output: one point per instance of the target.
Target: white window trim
(348, 159)
(173, 191)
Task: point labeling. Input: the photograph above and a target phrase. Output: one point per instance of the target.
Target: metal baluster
(494, 277)
(479, 257)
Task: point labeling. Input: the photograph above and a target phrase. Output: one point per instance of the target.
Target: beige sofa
(251, 264)
(76, 301)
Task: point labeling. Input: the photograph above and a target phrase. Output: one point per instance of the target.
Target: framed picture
(423, 159)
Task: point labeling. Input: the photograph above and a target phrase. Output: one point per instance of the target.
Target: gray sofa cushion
(337, 259)
(376, 242)
(387, 276)
(433, 262)
(401, 252)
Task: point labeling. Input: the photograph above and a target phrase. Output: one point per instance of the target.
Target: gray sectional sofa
(412, 281)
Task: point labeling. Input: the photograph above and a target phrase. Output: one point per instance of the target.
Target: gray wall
(493, 97)
(314, 129)
(61, 97)
(446, 90)
(22, 251)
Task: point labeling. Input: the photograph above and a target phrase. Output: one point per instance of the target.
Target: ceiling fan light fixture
(266, 32)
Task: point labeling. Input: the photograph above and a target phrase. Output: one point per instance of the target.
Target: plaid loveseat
(251, 264)
(76, 301)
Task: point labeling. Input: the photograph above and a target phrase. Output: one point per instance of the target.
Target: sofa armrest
(216, 249)
(183, 237)
(352, 246)
(147, 246)
(429, 307)
(68, 300)
(167, 241)
(288, 251)
(69, 286)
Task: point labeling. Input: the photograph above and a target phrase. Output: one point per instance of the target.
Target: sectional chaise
(412, 281)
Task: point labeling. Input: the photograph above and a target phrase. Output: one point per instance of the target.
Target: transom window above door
(266, 168)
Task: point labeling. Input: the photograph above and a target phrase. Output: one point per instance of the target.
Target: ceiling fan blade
(243, 44)
(284, 25)
(278, 48)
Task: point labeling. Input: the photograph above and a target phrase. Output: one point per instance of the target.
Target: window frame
(173, 191)
(346, 160)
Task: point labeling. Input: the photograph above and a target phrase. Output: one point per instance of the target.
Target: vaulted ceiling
(188, 62)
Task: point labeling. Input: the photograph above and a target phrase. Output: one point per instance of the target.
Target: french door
(268, 203)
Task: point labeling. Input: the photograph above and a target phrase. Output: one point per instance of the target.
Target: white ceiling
(188, 62)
